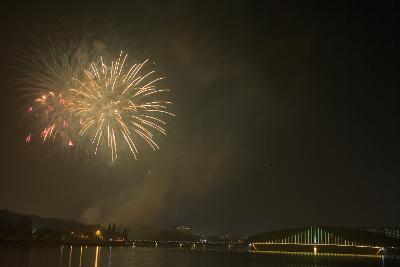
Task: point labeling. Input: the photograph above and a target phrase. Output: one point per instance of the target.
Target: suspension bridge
(319, 240)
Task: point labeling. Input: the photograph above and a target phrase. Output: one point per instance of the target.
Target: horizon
(194, 228)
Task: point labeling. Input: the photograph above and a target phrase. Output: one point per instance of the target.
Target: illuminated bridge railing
(314, 236)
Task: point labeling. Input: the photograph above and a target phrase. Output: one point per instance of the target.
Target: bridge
(323, 240)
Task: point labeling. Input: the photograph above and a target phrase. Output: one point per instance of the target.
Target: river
(68, 256)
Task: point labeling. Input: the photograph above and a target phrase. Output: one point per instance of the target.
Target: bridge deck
(317, 248)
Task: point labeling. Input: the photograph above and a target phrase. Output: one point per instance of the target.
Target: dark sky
(287, 116)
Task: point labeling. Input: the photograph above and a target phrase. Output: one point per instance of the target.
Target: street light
(98, 233)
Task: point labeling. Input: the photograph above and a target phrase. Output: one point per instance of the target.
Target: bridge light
(315, 250)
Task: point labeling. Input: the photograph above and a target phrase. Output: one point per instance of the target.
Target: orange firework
(118, 105)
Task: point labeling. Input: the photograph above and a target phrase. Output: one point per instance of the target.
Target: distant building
(185, 229)
(210, 233)
(391, 232)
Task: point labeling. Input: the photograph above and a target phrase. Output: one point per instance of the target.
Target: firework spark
(117, 105)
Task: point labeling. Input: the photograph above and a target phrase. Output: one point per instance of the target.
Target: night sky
(287, 116)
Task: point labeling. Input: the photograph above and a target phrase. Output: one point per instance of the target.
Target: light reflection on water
(69, 256)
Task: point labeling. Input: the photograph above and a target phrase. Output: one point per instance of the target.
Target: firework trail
(118, 105)
(56, 68)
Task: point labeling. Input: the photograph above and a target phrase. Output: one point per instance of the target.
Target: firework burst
(52, 118)
(48, 76)
(118, 105)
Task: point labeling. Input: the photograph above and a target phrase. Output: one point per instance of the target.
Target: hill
(10, 219)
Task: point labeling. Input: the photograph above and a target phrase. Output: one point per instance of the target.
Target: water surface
(146, 257)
